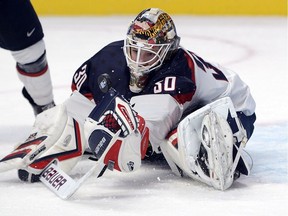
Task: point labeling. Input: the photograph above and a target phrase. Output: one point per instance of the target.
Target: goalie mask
(151, 39)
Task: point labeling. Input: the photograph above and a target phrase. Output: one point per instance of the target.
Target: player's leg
(21, 33)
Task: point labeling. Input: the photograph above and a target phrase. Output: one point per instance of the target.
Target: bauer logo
(54, 178)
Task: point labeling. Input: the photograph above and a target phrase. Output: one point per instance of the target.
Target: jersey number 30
(166, 85)
(80, 77)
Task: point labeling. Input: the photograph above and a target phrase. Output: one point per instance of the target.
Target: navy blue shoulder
(176, 75)
(110, 60)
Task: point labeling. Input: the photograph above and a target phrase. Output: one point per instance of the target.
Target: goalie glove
(113, 120)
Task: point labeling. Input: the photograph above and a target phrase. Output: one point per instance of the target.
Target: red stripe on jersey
(186, 97)
(73, 87)
(182, 98)
(191, 65)
(40, 73)
(87, 95)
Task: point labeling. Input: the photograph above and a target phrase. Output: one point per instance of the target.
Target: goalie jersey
(189, 79)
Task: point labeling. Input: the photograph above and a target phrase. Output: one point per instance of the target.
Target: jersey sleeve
(214, 81)
(80, 80)
(184, 90)
(109, 60)
(161, 113)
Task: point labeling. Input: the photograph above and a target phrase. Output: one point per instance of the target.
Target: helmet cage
(158, 54)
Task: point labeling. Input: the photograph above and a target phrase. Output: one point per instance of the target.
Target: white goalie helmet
(151, 39)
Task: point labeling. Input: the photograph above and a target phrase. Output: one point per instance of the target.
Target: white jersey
(177, 88)
(162, 112)
(210, 86)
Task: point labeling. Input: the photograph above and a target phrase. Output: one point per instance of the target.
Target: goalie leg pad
(204, 145)
(46, 130)
(68, 149)
(54, 136)
(216, 159)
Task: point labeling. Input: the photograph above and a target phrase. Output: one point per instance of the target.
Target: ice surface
(254, 47)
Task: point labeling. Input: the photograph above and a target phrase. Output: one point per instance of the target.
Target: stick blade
(58, 181)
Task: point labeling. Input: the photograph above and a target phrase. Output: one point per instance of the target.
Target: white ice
(254, 47)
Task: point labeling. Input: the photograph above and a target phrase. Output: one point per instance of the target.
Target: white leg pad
(207, 127)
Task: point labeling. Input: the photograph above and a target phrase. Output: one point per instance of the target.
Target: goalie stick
(63, 185)
(60, 182)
